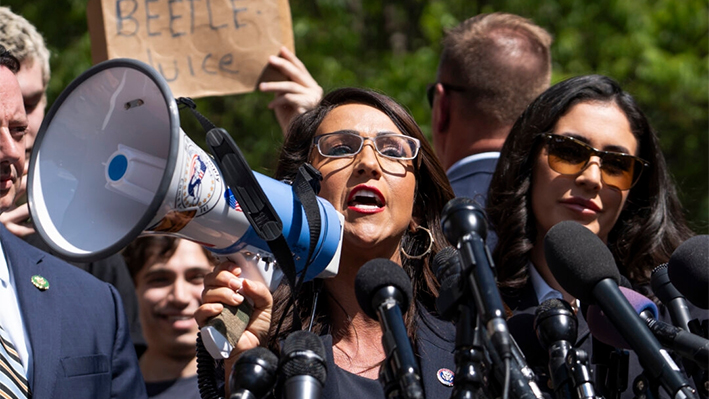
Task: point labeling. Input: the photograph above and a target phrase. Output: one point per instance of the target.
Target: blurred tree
(656, 49)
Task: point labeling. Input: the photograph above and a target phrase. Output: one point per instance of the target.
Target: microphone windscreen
(259, 355)
(688, 270)
(254, 371)
(304, 354)
(377, 274)
(446, 263)
(578, 259)
(604, 330)
(554, 320)
(461, 216)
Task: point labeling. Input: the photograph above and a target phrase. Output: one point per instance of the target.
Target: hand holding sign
(205, 48)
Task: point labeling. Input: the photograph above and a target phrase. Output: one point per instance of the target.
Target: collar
(4, 268)
(473, 158)
(541, 288)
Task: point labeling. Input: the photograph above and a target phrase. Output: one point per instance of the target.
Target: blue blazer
(77, 328)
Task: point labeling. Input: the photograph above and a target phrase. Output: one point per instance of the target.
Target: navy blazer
(77, 328)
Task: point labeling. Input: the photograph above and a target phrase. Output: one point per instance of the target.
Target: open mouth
(366, 199)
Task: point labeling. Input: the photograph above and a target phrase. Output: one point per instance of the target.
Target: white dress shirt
(11, 317)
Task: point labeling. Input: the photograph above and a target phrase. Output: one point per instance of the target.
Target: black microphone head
(255, 371)
(377, 274)
(688, 269)
(661, 285)
(303, 353)
(578, 259)
(554, 320)
(446, 263)
(461, 216)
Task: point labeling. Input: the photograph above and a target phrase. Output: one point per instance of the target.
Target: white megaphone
(110, 162)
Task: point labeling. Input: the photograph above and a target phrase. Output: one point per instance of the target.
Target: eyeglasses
(432, 86)
(349, 144)
(569, 156)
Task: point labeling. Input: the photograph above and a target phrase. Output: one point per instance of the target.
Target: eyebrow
(608, 148)
(380, 133)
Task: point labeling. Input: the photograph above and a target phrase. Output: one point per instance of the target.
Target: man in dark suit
(69, 329)
(491, 67)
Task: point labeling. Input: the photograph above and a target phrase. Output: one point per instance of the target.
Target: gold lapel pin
(40, 282)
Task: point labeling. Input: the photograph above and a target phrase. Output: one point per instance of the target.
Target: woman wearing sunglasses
(582, 151)
(380, 172)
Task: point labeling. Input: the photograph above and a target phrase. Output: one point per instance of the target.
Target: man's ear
(441, 110)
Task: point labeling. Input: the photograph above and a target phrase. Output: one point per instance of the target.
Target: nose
(180, 293)
(591, 175)
(368, 159)
(11, 149)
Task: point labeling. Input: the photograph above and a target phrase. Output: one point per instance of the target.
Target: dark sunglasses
(569, 156)
(430, 89)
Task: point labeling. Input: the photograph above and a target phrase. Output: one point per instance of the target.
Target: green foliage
(656, 49)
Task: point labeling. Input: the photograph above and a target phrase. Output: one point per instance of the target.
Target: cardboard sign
(201, 47)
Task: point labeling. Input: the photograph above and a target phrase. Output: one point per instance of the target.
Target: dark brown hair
(650, 226)
(151, 249)
(432, 192)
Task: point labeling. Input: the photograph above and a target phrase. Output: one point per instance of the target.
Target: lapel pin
(40, 282)
(445, 377)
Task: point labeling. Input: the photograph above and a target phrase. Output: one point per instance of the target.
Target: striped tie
(13, 384)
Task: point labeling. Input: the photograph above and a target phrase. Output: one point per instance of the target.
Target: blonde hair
(21, 38)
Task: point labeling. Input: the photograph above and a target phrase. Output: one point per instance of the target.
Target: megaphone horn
(111, 162)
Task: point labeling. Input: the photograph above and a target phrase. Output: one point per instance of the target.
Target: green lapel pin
(40, 282)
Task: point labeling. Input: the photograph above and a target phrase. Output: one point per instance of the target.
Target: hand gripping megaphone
(111, 162)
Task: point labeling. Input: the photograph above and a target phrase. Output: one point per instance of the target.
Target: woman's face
(584, 197)
(373, 192)
(169, 291)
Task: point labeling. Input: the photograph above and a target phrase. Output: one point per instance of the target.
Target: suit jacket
(77, 328)
(472, 180)
(114, 271)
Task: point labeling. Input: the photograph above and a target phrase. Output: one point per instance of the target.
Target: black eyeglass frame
(637, 172)
(432, 86)
(417, 148)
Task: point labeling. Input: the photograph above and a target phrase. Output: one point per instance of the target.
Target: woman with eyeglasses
(582, 151)
(379, 171)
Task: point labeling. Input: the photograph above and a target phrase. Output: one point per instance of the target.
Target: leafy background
(656, 49)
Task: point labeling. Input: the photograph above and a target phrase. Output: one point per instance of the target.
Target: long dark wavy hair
(432, 192)
(648, 229)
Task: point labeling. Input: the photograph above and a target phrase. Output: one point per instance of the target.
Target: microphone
(303, 366)
(685, 344)
(584, 266)
(254, 374)
(383, 291)
(688, 269)
(668, 294)
(465, 227)
(556, 327)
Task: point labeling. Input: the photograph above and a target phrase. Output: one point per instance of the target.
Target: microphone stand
(611, 369)
(388, 380)
(580, 373)
(469, 381)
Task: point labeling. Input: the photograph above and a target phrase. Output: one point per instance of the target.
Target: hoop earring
(411, 242)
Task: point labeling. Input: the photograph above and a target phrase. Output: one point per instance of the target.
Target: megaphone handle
(222, 332)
